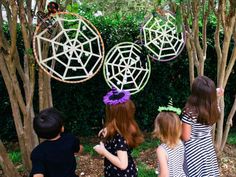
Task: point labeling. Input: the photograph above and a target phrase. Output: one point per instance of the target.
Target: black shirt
(56, 158)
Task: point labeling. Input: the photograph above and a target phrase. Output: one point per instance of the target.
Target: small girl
(122, 134)
(170, 154)
(200, 113)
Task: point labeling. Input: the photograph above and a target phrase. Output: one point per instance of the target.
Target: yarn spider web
(123, 68)
(75, 48)
(161, 37)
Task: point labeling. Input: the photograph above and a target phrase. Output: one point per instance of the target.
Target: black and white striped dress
(175, 159)
(200, 156)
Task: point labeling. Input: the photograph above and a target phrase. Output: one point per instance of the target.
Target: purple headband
(114, 97)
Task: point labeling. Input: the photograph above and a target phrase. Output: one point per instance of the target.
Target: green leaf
(179, 20)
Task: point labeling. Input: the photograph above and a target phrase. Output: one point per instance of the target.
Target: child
(55, 156)
(170, 154)
(122, 134)
(199, 114)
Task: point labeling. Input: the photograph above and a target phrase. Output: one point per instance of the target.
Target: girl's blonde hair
(120, 118)
(167, 128)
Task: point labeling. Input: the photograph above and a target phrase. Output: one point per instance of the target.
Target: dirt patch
(227, 161)
(92, 166)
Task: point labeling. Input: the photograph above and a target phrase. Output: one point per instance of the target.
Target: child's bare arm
(81, 149)
(103, 133)
(186, 131)
(162, 160)
(38, 175)
(121, 160)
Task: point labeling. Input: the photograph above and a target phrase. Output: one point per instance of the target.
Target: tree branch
(213, 7)
(217, 45)
(191, 62)
(230, 66)
(222, 11)
(225, 49)
(229, 123)
(197, 45)
(204, 29)
(13, 29)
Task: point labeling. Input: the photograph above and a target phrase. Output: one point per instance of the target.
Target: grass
(232, 137)
(144, 171)
(88, 149)
(147, 144)
(15, 157)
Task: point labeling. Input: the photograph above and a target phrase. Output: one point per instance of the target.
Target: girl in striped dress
(200, 113)
(170, 154)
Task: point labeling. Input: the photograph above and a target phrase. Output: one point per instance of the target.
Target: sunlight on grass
(15, 157)
(88, 149)
(144, 171)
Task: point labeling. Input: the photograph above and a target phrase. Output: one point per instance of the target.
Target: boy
(55, 156)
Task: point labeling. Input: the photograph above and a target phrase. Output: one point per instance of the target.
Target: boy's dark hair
(48, 123)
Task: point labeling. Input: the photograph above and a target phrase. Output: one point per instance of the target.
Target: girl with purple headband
(122, 134)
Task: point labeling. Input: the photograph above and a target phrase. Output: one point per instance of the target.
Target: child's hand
(220, 92)
(100, 148)
(103, 133)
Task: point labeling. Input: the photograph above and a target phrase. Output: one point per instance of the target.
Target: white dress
(175, 159)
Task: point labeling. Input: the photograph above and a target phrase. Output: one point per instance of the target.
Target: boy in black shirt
(55, 156)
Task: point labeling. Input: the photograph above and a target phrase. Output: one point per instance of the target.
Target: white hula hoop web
(161, 37)
(71, 51)
(123, 68)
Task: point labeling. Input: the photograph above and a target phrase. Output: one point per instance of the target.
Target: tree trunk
(228, 125)
(220, 126)
(223, 72)
(15, 111)
(191, 62)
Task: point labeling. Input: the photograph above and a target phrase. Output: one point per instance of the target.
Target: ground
(92, 165)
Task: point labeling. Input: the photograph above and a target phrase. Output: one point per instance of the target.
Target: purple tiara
(114, 97)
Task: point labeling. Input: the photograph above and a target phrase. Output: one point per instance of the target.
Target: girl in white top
(170, 154)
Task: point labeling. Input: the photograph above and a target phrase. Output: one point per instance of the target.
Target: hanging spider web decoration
(70, 50)
(161, 37)
(123, 68)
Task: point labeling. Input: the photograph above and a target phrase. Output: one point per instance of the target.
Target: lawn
(90, 164)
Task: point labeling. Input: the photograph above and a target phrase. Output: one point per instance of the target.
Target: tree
(195, 13)
(19, 74)
(14, 73)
